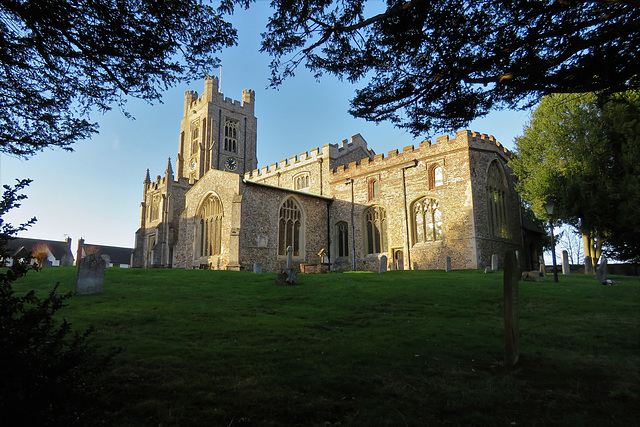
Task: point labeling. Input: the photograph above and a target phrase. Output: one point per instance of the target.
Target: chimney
(79, 252)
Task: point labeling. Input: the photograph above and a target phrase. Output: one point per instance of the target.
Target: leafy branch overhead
(440, 64)
(62, 58)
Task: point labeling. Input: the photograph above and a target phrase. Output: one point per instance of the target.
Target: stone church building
(454, 197)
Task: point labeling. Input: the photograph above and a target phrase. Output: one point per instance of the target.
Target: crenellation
(408, 148)
(392, 153)
(442, 139)
(425, 144)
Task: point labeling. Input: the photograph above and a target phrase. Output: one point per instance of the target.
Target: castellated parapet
(193, 102)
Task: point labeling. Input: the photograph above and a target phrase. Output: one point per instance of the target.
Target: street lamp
(550, 206)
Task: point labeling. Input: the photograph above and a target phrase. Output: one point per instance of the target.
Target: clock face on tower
(231, 164)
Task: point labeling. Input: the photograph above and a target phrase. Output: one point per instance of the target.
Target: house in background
(113, 255)
(58, 253)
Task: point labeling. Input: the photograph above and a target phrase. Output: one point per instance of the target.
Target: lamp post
(550, 206)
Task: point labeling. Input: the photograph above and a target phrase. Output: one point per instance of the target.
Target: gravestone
(588, 265)
(90, 275)
(566, 268)
(257, 267)
(447, 266)
(601, 271)
(383, 264)
(494, 262)
(288, 276)
(511, 321)
(543, 268)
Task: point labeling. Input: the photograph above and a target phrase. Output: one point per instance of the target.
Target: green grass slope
(216, 348)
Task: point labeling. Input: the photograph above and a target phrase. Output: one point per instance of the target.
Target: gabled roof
(20, 246)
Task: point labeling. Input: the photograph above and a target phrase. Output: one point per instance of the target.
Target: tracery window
(375, 219)
(231, 135)
(342, 239)
(497, 201)
(301, 182)
(427, 220)
(210, 226)
(289, 227)
(374, 188)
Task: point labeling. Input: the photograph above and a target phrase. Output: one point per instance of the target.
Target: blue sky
(95, 191)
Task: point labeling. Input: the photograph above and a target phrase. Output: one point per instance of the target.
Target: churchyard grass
(419, 348)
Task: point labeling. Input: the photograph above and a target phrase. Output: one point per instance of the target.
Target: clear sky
(95, 191)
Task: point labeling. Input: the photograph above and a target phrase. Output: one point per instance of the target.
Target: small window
(301, 182)
(231, 135)
(436, 176)
(374, 189)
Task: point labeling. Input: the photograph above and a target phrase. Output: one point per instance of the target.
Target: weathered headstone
(447, 266)
(90, 275)
(288, 276)
(543, 268)
(588, 265)
(511, 321)
(494, 262)
(257, 267)
(601, 271)
(566, 268)
(383, 264)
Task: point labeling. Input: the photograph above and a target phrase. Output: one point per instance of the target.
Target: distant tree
(584, 152)
(570, 240)
(62, 58)
(40, 252)
(440, 64)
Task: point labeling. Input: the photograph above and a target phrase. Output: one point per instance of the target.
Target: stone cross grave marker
(447, 266)
(383, 264)
(566, 268)
(90, 275)
(511, 321)
(289, 257)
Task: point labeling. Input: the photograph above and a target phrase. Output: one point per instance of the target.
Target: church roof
(306, 193)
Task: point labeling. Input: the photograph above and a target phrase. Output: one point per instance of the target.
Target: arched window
(427, 220)
(374, 188)
(497, 201)
(376, 230)
(289, 226)
(342, 239)
(154, 215)
(210, 226)
(231, 135)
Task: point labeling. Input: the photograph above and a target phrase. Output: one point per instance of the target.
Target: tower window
(195, 138)
(231, 135)
(154, 214)
(436, 176)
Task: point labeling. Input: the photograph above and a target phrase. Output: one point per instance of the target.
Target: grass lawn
(216, 348)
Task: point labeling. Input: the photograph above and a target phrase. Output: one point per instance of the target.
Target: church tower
(216, 133)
